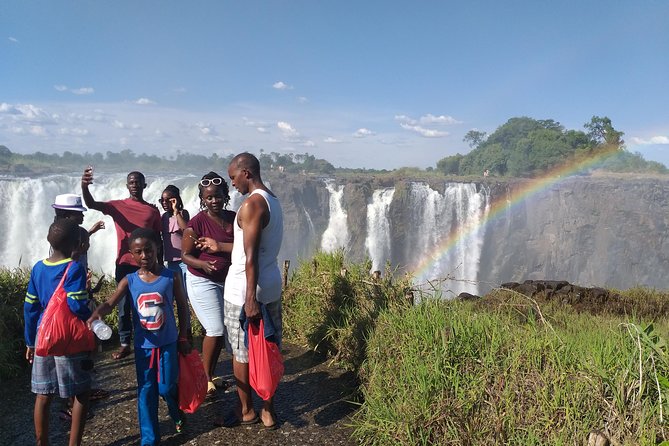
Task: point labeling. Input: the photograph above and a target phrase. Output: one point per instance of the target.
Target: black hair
(174, 191)
(63, 236)
(223, 186)
(83, 234)
(65, 213)
(146, 233)
(248, 161)
(137, 174)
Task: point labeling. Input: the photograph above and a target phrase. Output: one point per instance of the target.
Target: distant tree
(450, 165)
(601, 131)
(474, 138)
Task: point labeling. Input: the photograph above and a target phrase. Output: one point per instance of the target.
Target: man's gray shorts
(234, 340)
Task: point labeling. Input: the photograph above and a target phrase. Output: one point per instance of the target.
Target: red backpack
(61, 332)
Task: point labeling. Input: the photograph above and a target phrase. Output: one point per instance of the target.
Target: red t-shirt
(206, 227)
(129, 215)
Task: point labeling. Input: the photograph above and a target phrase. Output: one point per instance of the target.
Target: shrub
(331, 306)
(13, 285)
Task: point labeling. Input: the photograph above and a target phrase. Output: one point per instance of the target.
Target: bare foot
(268, 419)
(122, 352)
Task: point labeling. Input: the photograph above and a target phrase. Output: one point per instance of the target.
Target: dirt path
(312, 403)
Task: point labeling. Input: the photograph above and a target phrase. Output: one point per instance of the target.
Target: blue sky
(376, 84)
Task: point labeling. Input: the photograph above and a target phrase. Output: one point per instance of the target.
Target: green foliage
(331, 306)
(13, 285)
(526, 147)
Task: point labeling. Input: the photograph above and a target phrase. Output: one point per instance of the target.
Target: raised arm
(87, 180)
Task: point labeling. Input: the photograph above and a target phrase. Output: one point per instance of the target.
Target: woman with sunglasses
(205, 248)
(174, 221)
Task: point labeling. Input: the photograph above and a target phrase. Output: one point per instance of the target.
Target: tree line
(127, 160)
(521, 147)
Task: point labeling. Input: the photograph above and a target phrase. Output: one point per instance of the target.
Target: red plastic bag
(61, 332)
(192, 382)
(265, 362)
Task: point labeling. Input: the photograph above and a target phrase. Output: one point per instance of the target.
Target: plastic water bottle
(101, 329)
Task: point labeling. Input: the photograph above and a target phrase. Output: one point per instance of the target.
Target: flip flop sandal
(66, 415)
(211, 389)
(231, 421)
(98, 394)
(221, 383)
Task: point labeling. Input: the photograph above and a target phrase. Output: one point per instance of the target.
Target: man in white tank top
(253, 278)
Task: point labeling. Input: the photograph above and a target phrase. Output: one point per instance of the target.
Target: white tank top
(269, 275)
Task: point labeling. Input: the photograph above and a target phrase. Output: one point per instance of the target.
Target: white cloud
(83, 90)
(424, 126)
(287, 130)
(443, 119)
(13, 39)
(308, 143)
(78, 91)
(27, 113)
(302, 99)
(144, 101)
(331, 140)
(37, 130)
(422, 131)
(261, 126)
(362, 133)
(118, 124)
(280, 85)
(65, 131)
(652, 140)
(179, 90)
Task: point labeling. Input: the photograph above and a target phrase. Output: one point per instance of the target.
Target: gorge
(589, 230)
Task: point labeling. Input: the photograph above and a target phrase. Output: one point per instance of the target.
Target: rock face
(592, 231)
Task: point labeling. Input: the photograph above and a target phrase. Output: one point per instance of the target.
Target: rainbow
(501, 205)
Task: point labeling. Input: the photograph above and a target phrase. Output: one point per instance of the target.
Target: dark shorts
(65, 376)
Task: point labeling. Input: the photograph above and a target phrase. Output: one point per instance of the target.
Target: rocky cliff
(592, 231)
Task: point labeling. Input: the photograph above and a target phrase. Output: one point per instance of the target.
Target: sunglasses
(207, 182)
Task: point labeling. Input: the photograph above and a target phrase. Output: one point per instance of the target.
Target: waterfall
(27, 213)
(447, 236)
(378, 228)
(336, 235)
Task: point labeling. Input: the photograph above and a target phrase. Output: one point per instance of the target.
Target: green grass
(331, 306)
(448, 372)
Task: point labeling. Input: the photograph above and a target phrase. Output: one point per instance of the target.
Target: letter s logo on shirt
(150, 309)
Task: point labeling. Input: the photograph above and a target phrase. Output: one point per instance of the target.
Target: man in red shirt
(128, 215)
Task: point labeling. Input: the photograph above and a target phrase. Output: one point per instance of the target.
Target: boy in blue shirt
(153, 290)
(68, 376)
